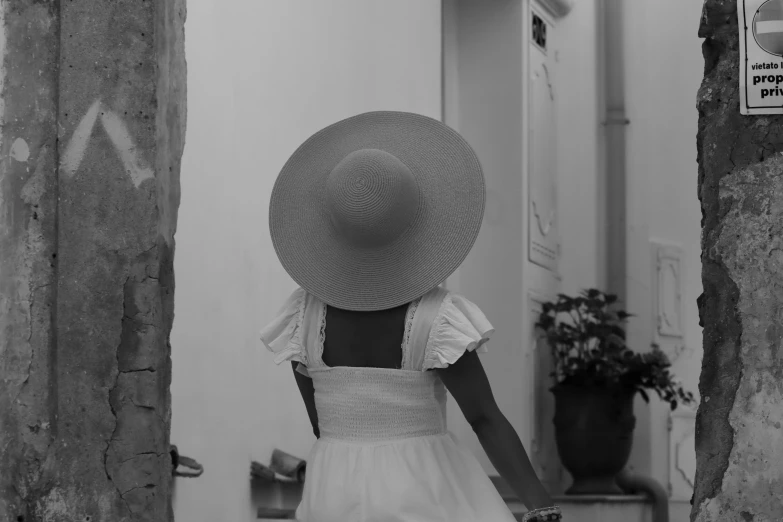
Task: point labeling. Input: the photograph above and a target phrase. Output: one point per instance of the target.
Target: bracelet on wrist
(547, 514)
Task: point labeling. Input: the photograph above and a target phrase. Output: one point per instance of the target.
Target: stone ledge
(276, 514)
(516, 507)
(602, 499)
(511, 498)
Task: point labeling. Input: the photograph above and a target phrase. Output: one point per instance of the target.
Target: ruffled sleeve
(283, 336)
(459, 327)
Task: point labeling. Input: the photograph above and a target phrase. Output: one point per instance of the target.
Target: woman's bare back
(364, 339)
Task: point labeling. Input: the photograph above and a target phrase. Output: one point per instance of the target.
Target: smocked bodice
(373, 404)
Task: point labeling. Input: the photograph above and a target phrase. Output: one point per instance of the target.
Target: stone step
(265, 514)
(516, 507)
(585, 508)
(276, 514)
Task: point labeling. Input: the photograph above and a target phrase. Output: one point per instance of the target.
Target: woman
(369, 216)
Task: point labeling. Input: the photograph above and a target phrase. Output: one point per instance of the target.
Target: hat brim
(452, 192)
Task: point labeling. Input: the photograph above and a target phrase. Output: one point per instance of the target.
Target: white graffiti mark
(20, 151)
(118, 134)
(123, 142)
(74, 152)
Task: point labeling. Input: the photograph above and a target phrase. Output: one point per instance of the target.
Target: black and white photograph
(391, 260)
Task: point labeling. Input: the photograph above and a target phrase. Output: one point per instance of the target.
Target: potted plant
(596, 378)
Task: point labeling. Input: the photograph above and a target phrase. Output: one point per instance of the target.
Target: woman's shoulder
(459, 326)
(288, 333)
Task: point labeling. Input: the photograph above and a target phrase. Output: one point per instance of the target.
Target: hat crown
(372, 198)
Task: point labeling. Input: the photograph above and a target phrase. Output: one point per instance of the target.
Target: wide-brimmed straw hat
(376, 210)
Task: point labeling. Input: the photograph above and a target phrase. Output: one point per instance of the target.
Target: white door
(541, 270)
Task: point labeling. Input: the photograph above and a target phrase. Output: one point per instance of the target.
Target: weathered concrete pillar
(739, 426)
(93, 119)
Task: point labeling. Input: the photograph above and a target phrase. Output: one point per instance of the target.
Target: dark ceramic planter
(594, 434)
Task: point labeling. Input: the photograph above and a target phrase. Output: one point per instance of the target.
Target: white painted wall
(578, 151)
(262, 77)
(664, 68)
(662, 103)
(484, 103)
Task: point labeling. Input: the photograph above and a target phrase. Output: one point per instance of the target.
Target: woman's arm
(308, 396)
(468, 383)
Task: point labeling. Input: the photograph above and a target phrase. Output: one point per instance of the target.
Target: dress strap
(312, 331)
(425, 315)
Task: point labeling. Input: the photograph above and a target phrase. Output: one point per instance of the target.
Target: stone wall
(739, 441)
(93, 97)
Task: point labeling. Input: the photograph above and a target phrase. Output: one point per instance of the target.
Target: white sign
(761, 56)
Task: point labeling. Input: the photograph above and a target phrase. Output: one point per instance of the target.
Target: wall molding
(543, 449)
(682, 453)
(668, 260)
(543, 236)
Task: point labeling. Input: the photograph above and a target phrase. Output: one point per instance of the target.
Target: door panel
(541, 271)
(543, 244)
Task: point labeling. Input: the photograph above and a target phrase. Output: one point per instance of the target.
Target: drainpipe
(610, 19)
(610, 31)
(632, 483)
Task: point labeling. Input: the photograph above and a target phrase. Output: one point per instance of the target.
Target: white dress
(384, 454)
